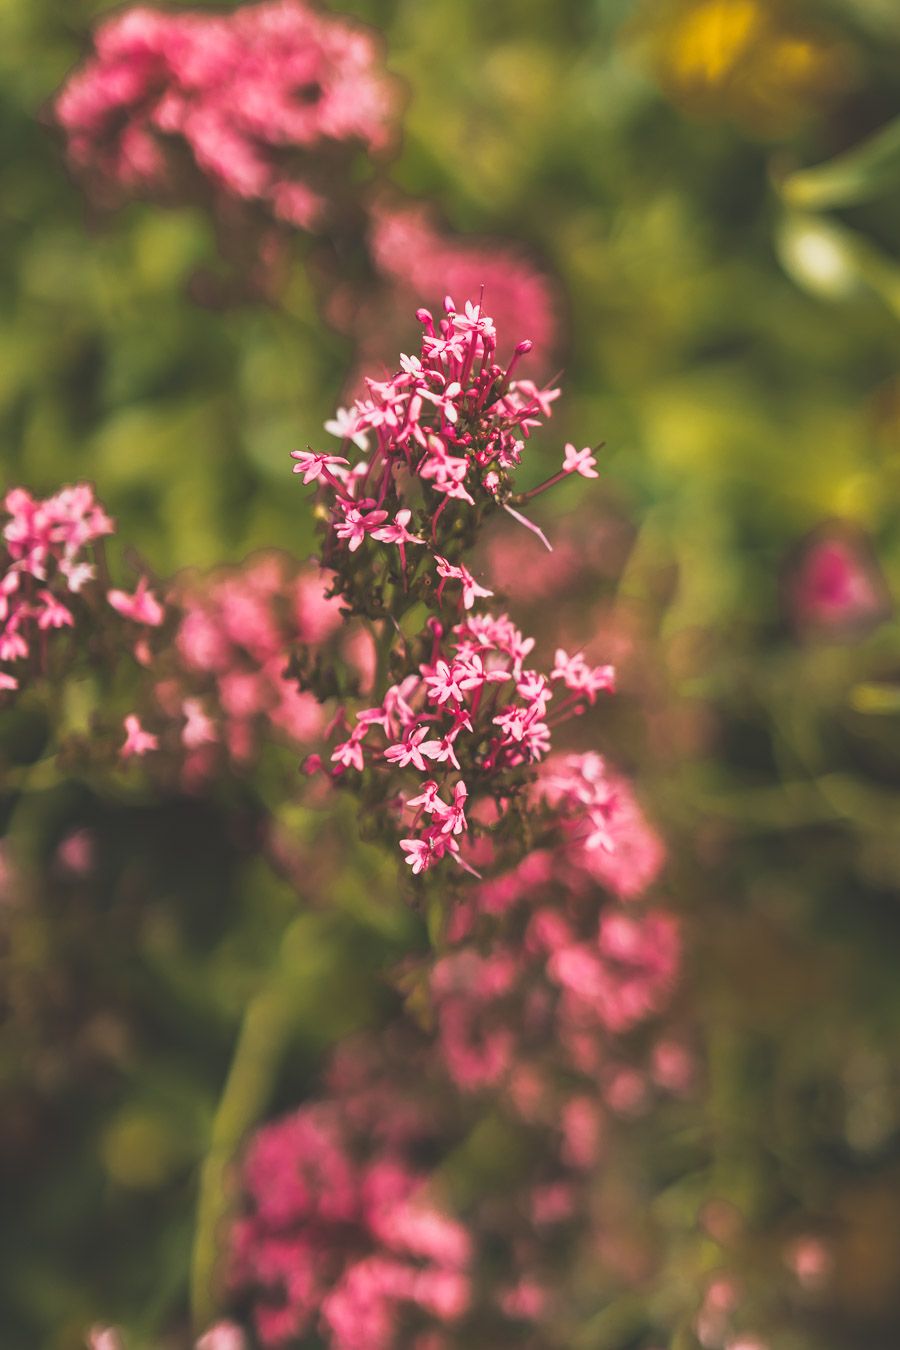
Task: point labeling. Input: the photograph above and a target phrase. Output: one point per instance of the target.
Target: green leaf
(867, 171)
(876, 698)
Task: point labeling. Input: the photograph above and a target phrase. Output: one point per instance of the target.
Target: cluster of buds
(261, 100)
(458, 705)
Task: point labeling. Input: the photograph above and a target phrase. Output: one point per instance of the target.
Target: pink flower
(442, 683)
(412, 750)
(397, 533)
(198, 728)
(837, 585)
(53, 614)
(312, 466)
(255, 99)
(350, 753)
(453, 818)
(223, 1336)
(343, 425)
(142, 607)
(104, 1338)
(419, 853)
(470, 587)
(578, 676)
(357, 524)
(137, 740)
(580, 461)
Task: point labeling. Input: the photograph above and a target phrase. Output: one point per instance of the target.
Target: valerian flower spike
(456, 704)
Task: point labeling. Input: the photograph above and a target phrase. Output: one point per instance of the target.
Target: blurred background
(729, 325)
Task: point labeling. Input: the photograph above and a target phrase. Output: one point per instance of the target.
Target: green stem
(383, 646)
(264, 1030)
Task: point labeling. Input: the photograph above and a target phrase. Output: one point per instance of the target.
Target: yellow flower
(749, 60)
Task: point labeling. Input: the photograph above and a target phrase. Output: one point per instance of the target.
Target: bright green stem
(266, 1026)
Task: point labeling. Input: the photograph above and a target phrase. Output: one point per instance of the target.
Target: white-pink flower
(313, 465)
(419, 853)
(397, 532)
(580, 461)
(357, 524)
(137, 740)
(344, 425)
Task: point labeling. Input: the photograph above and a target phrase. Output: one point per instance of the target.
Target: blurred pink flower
(836, 585)
(241, 92)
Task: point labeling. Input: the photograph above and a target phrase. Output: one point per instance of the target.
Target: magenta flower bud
(524, 347)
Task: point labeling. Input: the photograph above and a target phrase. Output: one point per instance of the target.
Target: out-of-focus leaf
(835, 262)
(876, 698)
(867, 171)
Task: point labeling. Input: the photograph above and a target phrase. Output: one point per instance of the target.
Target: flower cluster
(259, 99)
(208, 665)
(415, 261)
(351, 1229)
(469, 723)
(49, 561)
(349, 1233)
(609, 833)
(567, 973)
(343, 1236)
(223, 686)
(449, 429)
(410, 250)
(467, 713)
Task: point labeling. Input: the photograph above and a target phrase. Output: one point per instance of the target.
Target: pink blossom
(419, 853)
(470, 587)
(53, 614)
(142, 607)
(350, 754)
(580, 461)
(453, 818)
(340, 1237)
(356, 524)
(48, 541)
(578, 676)
(410, 751)
(254, 99)
(343, 425)
(397, 533)
(223, 1336)
(312, 466)
(837, 585)
(137, 740)
(104, 1338)
(198, 728)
